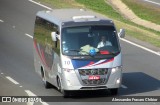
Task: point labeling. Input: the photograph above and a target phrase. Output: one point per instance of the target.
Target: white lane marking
(1, 20)
(152, 2)
(123, 86)
(44, 103)
(32, 94)
(12, 80)
(2, 73)
(29, 35)
(40, 4)
(149, 50)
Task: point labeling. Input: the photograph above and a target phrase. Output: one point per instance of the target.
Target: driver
(104, 42)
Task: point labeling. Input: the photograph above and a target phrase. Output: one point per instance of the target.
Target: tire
(59, 84)
(114, 91)
(46, 83)
(65, 93)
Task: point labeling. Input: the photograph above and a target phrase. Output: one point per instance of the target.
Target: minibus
(76, 50)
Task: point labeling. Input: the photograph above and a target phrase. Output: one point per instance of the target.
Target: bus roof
(67, 15)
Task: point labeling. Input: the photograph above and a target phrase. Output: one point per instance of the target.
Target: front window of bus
(89, 40)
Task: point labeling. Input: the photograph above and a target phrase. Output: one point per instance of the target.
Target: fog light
(118, 81)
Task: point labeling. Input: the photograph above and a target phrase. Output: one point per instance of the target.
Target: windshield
(89, 40)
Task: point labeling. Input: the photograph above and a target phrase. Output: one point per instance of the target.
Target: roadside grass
(61, 3)
(140, 34)
(102, 7)
(144, 10)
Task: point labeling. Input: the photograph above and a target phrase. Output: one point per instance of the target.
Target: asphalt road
(17, 76)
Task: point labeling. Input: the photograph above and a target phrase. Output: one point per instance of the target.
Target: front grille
(94, 82)
(85, 72)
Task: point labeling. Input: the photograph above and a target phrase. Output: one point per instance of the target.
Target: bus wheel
(114, 91)
(65, 93)
(46, 84)
(59, 84)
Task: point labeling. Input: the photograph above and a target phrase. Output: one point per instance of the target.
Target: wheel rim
(59, 86)
(43, 78)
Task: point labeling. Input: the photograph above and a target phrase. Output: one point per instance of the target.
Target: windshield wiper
(72, 50)
(75, 50)
(79, 51)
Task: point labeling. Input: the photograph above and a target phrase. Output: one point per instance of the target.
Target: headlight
(115, 69)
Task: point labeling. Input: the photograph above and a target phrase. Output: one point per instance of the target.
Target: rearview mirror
(54, 36)
(121, 33)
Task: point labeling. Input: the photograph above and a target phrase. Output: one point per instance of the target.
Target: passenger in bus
(104, 42)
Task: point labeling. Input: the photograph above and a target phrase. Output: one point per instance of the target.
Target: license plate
(94, 77)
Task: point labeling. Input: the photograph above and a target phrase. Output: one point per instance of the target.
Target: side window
(42, 34)
(42, 31)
